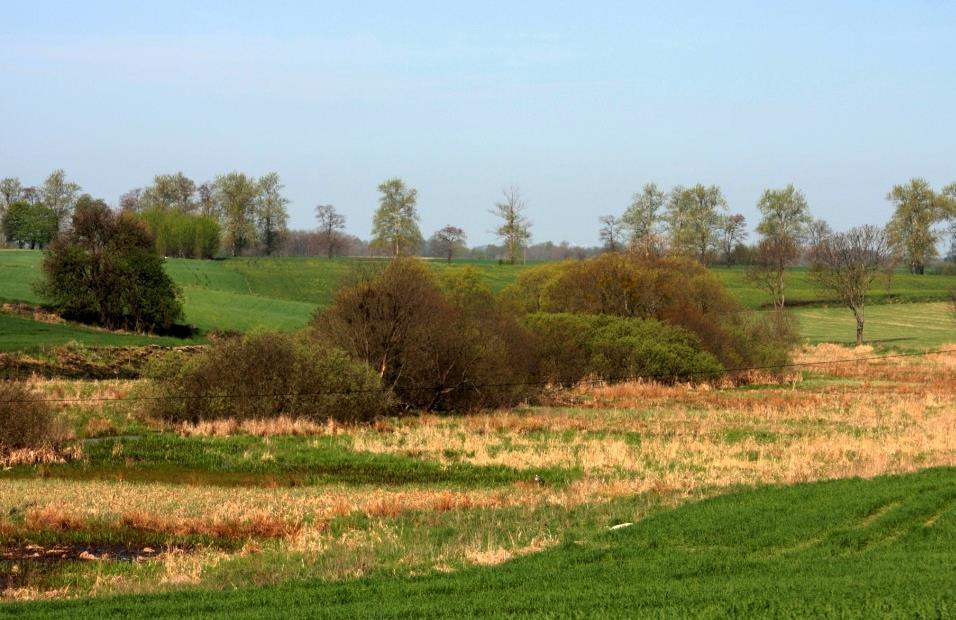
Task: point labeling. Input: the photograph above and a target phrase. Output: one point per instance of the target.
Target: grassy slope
(22, 334)
(849, 548)
(241, 294)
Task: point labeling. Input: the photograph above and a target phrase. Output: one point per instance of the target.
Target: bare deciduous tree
(611, 232)
(447, 241)
(331, 223)
(770, 262)
(848, 263)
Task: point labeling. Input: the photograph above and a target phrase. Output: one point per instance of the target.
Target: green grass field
(851, 548)
(23, 334)
(246, 293)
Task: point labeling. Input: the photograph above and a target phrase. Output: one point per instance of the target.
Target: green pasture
(246, 293)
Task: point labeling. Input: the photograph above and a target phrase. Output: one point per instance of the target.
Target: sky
(577, 103)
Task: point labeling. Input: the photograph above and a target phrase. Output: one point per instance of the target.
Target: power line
(435, 388)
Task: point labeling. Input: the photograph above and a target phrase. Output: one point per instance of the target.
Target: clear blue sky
(577, 103)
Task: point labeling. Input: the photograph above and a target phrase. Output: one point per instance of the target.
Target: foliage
(571, 347)
(183, 235)
(25, 421)
(731, 233)
(29, 224)
(692, 217)
(677, 291)
(785, 214)
(395, 223)
(265, 375)
(642, 220)
(59, 195)
(271, 214)
(105, 270)
(515, 229)
(847, 264)
(235, 195)
(435, 349)
(910, 232)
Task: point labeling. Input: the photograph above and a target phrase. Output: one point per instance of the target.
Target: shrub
(676, 291)
(105, 270)
(25, 422)
(265, 375)
(437, 346)
(570, 347)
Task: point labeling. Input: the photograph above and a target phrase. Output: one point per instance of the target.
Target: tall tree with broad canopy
(912, 229)
(272, 216)
(395, 223)
(105, 270)
(515, 229)
(235, 195)
(693, 218)
(642, 220)
(170, 191)
(784, 214)
(29, 225)
(447, 241)
(60, 195)
(331, 224)
(847, 263)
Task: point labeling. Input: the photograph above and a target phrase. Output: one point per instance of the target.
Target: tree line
(237, 214)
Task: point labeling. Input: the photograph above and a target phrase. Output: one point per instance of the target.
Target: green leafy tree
(785, 214)
(236, 195)
(912, 232)
(60, 195)
(642, 220)
(395, 223)
(693, 218)
(170, 191)
(105, 270)
(515, 229)
(29, 225)
(272, 216)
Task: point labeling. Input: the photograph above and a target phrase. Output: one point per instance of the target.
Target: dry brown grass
(857, 418)
(282, 425)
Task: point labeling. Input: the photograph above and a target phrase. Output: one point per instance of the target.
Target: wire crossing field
(850, 548)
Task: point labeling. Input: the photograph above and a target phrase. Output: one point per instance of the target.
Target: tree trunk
(859, 326)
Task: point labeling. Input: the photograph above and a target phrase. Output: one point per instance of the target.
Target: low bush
(571, 347)
(437, 345)
(25, 421)
(676, 291)
(265, 375)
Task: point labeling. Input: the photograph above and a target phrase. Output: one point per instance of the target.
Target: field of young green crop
(850, 548)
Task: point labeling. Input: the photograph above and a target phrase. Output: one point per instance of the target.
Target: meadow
(414, 514)
(282, 293)
(731, 498)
